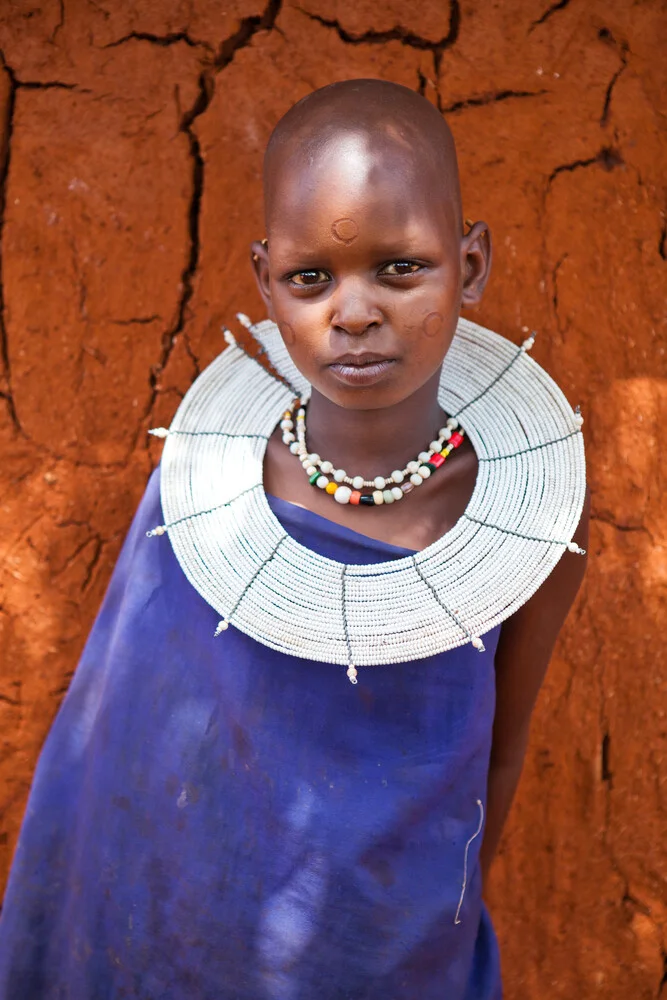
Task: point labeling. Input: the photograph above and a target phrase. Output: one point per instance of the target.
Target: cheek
(287, 333)
(433, 325)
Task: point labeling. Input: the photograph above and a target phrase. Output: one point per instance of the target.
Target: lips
(361, 369)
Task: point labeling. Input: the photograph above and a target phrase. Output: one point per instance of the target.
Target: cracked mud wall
(130, 151)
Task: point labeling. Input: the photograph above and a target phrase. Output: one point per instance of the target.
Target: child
(228, 817)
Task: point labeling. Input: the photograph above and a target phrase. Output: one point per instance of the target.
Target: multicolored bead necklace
(386, 489)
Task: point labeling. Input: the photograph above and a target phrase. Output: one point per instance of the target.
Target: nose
(354, 308)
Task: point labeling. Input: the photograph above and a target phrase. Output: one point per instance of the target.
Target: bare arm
(527, 640)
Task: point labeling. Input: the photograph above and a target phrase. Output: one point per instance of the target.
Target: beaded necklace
(385, 490)
(524, 510)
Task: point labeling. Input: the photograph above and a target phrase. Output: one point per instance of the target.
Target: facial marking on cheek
(287, 333)
(433, 324)
(345, 231)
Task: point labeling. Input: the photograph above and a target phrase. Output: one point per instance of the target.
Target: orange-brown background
(131, 137)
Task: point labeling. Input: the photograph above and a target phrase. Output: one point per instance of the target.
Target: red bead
(455, 439)
(355, 497)
(436, 460)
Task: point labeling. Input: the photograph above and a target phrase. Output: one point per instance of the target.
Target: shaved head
(389, 123)
(365, 247)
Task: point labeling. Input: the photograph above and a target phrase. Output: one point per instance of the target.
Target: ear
(476, 254)
(259, 256)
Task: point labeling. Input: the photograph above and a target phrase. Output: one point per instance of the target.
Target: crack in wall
(395, 34)
(7, 127)
(606, 518)
(61, 21)
(248, 28)
(608, 158)
(606, 773)
(173, 38)
(605, 35)
(554, 294)
(490, 98)
(549, 12)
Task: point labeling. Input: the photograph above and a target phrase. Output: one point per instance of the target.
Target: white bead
(478, 644)
(379, 483)
(579, 420)
(343, 494)
(445, 433)
(435, 446)
(222, 626)
(301, 412)
(287, 425)
(339, 475)
(322, 482)
(527, 344)
(294, 447)
(397, 492)
(228, 336)
(388, 496)
(397, 476)
(244, 320)
(352, 673)
(305, 461)
(424, 471)
(377, 497)
(314, 458)
(310, 470)
(452, 423)
(159, 432)
(423, 456)
(416, 479)
(326, 467)
(413, 466)
(573, 547)
(288, 437)
(358, 482)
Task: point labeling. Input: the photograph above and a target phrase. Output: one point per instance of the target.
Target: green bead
(433, 468)
(315, 476)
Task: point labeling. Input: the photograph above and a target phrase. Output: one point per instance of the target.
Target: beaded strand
(386, 490)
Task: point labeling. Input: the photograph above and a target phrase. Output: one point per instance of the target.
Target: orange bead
(355, 497)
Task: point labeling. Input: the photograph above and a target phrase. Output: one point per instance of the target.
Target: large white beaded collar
(523, 512)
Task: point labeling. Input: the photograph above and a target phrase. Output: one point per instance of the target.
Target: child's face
(366, 270)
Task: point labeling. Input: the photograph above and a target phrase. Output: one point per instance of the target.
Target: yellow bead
(331, 488)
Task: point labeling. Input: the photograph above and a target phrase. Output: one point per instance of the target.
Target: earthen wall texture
(131, 137)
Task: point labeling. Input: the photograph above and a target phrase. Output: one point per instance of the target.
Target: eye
(305, 279)
(398, 268)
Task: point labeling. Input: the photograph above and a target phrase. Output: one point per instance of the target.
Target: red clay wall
(132, 134)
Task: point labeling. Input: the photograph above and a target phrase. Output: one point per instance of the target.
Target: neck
(374, 442)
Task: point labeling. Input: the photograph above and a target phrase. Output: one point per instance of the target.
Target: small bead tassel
(222, 626)
(159, 432)
(529, 341)
(244, 320)
(155, 532)
(352, 673)
(229, 337)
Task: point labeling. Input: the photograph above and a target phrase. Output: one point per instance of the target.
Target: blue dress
(213, 820)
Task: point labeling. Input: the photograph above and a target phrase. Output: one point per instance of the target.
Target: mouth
(361, 369)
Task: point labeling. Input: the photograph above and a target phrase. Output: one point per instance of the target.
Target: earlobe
(476, 254)
(259, 256)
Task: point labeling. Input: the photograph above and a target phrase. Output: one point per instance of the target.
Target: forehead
(372, 179)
